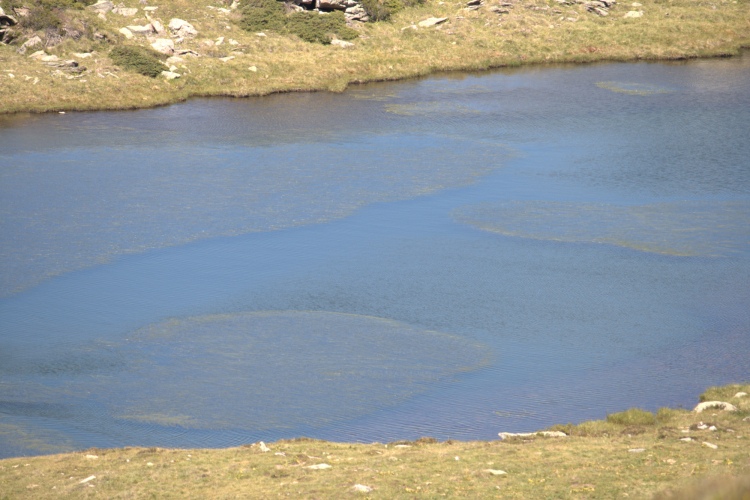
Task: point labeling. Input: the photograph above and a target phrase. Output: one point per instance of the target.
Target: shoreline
(223, 60)
(672, 453)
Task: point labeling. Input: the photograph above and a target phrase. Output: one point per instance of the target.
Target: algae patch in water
(641, 89)
(268, 370)
(708, 229)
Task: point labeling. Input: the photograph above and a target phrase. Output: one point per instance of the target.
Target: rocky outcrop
(719, 405)
(182, 28)
(102, 6)
(6, 22)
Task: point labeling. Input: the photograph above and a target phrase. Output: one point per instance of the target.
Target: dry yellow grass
(618, 458)
(531, 32)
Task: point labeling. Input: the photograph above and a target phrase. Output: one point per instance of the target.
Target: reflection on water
(687, 229)
(142, 251)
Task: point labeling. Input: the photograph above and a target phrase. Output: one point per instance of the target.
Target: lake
(451, 257)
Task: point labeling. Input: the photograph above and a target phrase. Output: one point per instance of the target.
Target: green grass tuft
(139, 59)
(633, 416)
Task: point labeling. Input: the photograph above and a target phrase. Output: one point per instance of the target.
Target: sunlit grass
(621, 457)
(532, 31)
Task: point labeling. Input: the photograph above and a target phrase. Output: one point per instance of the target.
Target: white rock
(260, 34)
(226, 59)
(220, 40)
(170, 75)
(361, 488)
(82, 55)
(102, 6)
(496, 472)
(505, 435)
(254, 69)
(51, 58)
(164, 46)
(432, 21)
(233, 42)
(92, 457)
(318, 466)
(710, 445)
(721, 405)
(158, 27)
(342, 43)
(633, 14)
(38, 54)
(263, 447)
(636, 4)
(175, 60)
(181, 27)
(90, 478)
(636, 450)
(124, 11)
(128, 34)
(150, 9)
(686, 439)
(34, 41)
(146, 29)
(740, 395)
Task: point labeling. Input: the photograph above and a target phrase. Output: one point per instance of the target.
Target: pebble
(710, 445)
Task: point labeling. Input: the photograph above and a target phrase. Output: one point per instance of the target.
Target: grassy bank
(633, 454)
(227, 60)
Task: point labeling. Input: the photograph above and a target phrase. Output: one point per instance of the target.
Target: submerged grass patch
(675, 458)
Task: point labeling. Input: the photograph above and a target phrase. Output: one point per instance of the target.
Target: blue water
(131, 240)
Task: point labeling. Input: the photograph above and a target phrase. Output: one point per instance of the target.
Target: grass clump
(263, 15)
(139, 59)
(633, 416)
(382, 10)
(313, 27)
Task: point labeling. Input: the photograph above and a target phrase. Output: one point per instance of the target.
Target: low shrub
(263, 15)
(139, 59)
(316, 28)
(313, 27)
(382, 10)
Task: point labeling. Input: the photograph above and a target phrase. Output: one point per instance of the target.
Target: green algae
(707, 229)
(277, 369)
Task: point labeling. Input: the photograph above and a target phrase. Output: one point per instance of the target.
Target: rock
(128, 34)
(636, 4)
(636, 450)
(150, 9)
(164, 46)
(82, 55)
(341, 43)
(226, 59)
(714, 404)
(175, 60)
(495, 472)
(356, 13)
(710, 445)
(47, 59)
(182, 28)
(102, 6)
(38, 54)
(505, 435)
(318, 466)
(169, 75)
(157, 27)
(254, 69)
(92, 457)
(361, 488)
(90, 478)
(740, 395)
(633, 14)
(686, 439)
(263, 447)
(32, 42)
(331, 4)
(124, 11)
(431, 21)
(141, 30)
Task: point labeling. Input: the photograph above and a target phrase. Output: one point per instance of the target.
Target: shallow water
(452, 257)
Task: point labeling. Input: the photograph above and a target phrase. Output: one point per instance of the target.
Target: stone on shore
(721, 405)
